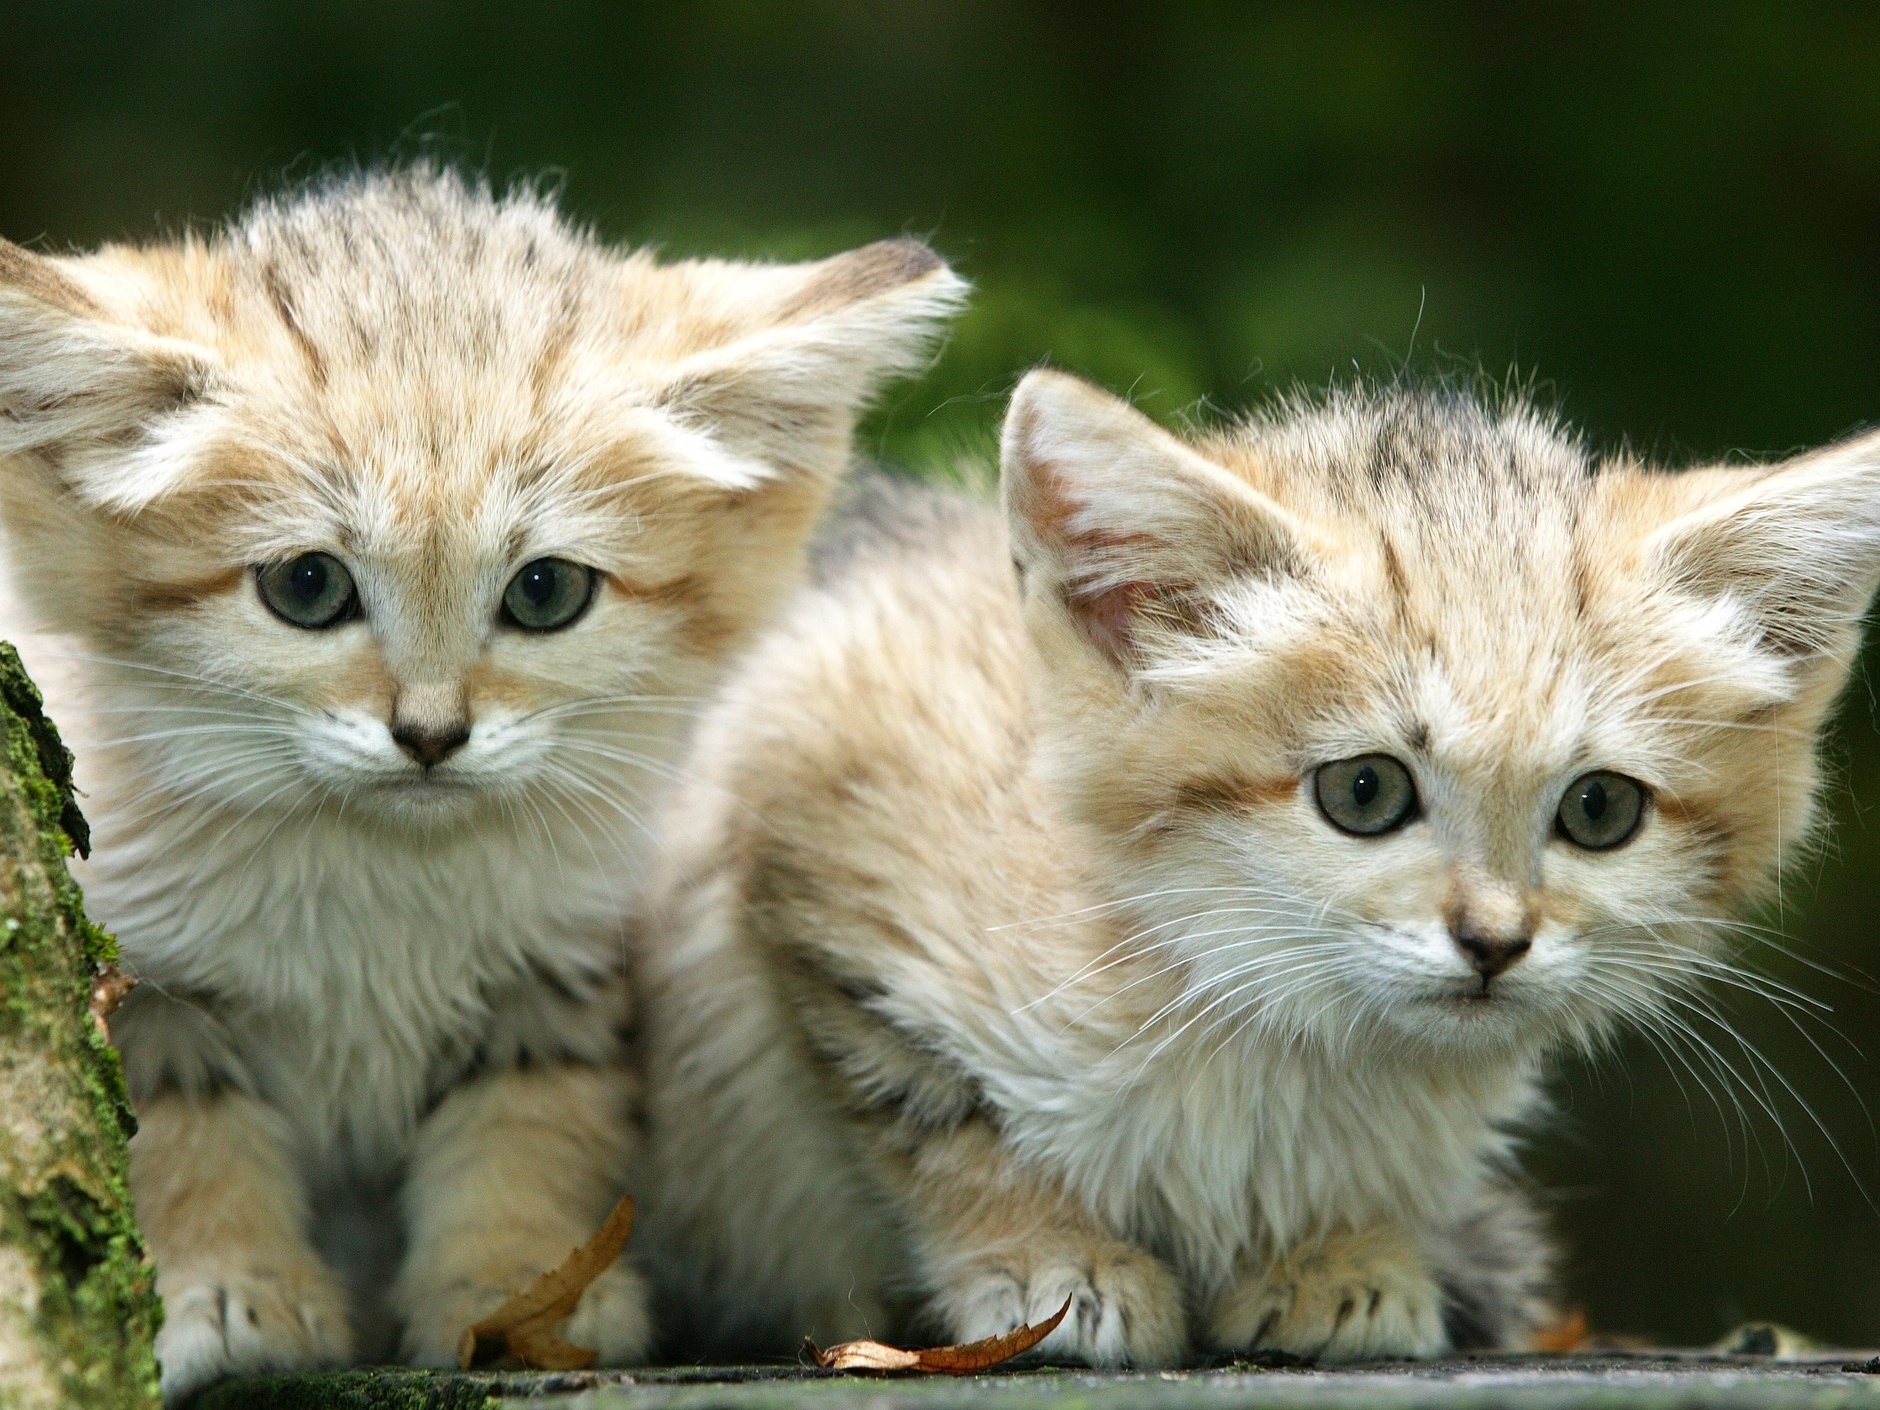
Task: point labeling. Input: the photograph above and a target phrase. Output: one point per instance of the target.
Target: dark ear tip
(899, 261)
(865, 273)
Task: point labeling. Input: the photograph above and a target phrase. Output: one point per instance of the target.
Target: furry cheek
(351, 746)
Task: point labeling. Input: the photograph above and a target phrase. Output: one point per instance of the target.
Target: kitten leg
(1497, 1269)
(999, 1247)
(226, 1218)
(507, 1176)
(1355, 1297)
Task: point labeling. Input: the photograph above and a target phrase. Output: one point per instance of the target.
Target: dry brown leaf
(979, 1355)
(865, 1356)
(524, 1326)
(108, 989)
(537, 1347)
(960, 1359)
(1568, 1334)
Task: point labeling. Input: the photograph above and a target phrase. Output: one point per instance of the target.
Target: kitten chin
(374, 553)
(1167, 893)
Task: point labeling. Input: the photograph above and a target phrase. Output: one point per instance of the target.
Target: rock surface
(78, 1304)
(1478, 1383)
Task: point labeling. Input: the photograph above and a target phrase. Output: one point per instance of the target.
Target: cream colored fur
(369, 985)
(1004, 954)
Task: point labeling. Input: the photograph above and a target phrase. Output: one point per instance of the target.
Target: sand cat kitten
(1179, 923)
(372, 553)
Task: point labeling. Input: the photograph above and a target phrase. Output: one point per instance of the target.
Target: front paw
(1360, 1297)
(611, 1319)
(1126, 1307)
(222, 1322)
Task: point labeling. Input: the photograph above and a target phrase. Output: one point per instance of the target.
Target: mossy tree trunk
(78, 1305)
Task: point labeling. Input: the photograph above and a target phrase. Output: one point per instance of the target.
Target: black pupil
(309, 579)
(1593, 800)
(538, 584)
(1364, 786)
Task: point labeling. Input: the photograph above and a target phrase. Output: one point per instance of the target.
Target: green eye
(1367, 795)
(1601, 810)
(311, 591)
(548, 594)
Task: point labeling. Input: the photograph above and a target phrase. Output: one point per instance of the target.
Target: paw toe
(246, 1324)
(1125, 1309)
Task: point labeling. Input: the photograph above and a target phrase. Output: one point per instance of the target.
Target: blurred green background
(1668, 215)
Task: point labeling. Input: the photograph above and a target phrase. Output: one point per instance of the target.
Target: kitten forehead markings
(1475, 563)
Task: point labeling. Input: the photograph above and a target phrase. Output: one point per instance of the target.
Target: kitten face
(412, 500)
(426, 698)
(1408, 724)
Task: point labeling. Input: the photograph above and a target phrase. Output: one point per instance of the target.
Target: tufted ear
(785, 395)
(83, 390)
(1123, 523)
(1792, 551)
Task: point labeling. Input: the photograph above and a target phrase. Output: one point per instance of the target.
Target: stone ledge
(1673, 1381)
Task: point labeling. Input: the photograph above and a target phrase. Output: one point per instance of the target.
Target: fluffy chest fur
(1213, 1147)
(1187, 1126)
(348, 974)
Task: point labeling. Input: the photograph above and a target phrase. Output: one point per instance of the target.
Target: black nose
(430, 745)
(1489, 955)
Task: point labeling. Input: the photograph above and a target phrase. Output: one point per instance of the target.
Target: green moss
(379, 1389)
(72, 1214)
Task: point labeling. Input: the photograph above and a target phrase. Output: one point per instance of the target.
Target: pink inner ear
(1108, 617)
